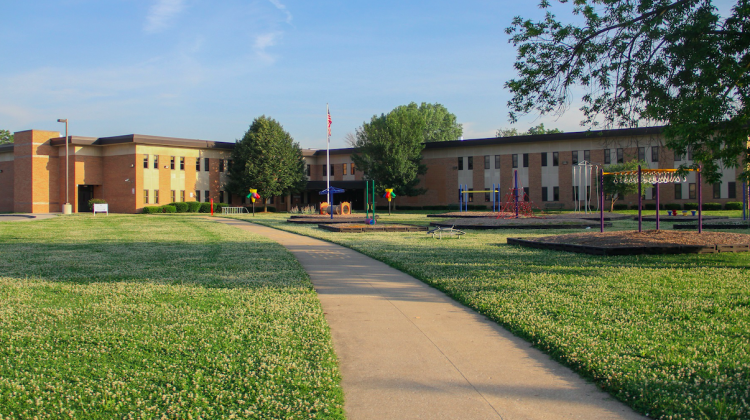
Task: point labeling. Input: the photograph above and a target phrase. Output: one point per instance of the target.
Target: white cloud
(283, 8)
(161, 14)
(262, 42)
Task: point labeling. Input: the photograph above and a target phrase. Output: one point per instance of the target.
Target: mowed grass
(158, 317)
(668, 335)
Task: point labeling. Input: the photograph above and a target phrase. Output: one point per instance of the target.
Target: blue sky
(205, 69)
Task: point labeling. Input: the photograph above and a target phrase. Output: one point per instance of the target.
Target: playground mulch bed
(646, 242)
(361, 227)
(680, 218)
(564, 216)
(729, 224)
(318, 219)
(520, 223)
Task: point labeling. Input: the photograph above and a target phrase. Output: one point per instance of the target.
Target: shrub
(168, 209)
(435, 208)
(96, 201)
(205, 208)
(181, 207)
(648, 206)
(691, 206)
(733, 205)
(634, 207)
(620, 206)
(152, 210)
(672, 206)
(218, 207)
(711, 206)
(194, 206)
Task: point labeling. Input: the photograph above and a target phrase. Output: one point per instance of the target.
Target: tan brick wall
(35, 184)
(190, 176)
(165, 180)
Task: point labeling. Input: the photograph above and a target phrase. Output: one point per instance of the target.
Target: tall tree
(6, 137)
(268, 159)
(389, 150)
(539, 129)
(644, 62)
(440, 124)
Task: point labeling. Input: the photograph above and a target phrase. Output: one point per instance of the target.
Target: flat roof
(144, 139)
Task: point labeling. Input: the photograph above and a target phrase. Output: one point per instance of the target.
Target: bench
(452, 231)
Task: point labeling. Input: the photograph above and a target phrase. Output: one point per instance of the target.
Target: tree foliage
(267, 159)
(644, 62)
(539, 129)
(6, 137)
(389, 150)
(618, 190)
(440, 124)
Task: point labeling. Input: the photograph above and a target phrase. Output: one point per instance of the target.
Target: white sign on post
(101, 208)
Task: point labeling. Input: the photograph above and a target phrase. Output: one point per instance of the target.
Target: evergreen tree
(267, 159)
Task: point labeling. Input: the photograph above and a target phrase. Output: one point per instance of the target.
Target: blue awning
(333, 190)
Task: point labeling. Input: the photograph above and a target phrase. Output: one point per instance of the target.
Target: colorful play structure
(515, 204)
(342, 209)
(649, 176)
(330, 191)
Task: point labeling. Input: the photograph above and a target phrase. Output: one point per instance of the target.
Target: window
(555, 158)
(308, 170)
(332, 171)
(525, 160)
(677, 157)
(544, 193)
(678, 191)
(345, 171)
(544, 159)
(197, 165)
(641, 153)
(229, 198)
(654, 153)
(171, 163)
(198, 194)
(487, 196)
(206, 196)
(691, 191)
(182, 163)
(587, 155)
(156, 196)
(145, 161)
(470, 165)
(221, 165)
(461, 163)
(497, 161)
(221, 196)
(525, 193)
(487, 162)
(514, 159)
(282, 199)
(575, 193)
(174, 196)
(145, 196)
(620, 156)
(156, 161)
(205, 165)
(351, 167)
(555, 193)
(575, 158)
(690, 153)
(717, 190)
(471, 197)
(182, 196)
(229, 164)
(607, 158)
(732, 190)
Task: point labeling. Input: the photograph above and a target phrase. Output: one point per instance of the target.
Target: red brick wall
(565, 179)
(214, 180)
(118, 192)
(535, 178)
(6, 186)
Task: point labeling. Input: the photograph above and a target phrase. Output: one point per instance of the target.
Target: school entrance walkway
(407, 351)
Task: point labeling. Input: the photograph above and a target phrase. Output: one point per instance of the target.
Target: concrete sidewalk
(26, 217)
(407, 351)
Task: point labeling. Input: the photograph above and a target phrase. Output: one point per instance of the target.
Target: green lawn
(669, 335)
(150, 316)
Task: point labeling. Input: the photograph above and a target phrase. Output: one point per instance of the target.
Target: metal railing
(233, 210)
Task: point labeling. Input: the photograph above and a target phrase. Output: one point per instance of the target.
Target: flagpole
(328, 159)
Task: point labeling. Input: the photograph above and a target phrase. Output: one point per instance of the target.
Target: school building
(133, 171)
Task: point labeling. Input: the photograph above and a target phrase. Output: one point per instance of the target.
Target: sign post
(212, 207)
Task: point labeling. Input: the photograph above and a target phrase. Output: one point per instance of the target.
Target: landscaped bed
(360, 227)
(668, 334)
(539, 215)
(637, 243)
(158, 317)
(520, 223)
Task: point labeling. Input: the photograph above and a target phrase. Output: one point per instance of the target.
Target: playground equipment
(389, 194)
(583, 178)
(330, 191)
(463, 201)
(370, 199)
(452, 231)
(343, 209)
(649, 176)
(253, 196)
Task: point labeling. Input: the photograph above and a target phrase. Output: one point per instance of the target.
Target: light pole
(67, 208)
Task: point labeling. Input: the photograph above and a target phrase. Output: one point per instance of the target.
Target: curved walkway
(407, 351)
(24, 217)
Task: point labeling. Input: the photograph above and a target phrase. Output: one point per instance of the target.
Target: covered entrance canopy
(354, 192)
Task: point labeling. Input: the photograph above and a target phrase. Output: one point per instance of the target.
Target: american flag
(329, 123)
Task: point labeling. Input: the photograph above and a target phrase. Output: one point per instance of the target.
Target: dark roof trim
(624, 132)
(141, 139)
(6, 147)
(344, 151)
(347, 185)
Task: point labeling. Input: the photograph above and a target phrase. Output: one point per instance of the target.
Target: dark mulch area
(680, 218)
(646, 242)
(558, 216)
(361, 227)
(318, 219)
(729, 224)
(525, 223)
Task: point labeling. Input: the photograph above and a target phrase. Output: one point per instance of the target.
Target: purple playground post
(657, 205)
(515, 175)
(640, 202)
(700, 200)
(601, 200)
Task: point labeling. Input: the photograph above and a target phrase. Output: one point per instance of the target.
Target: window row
(346, 169)
(176, 162)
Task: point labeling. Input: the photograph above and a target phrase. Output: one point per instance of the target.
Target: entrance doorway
(85, 193)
